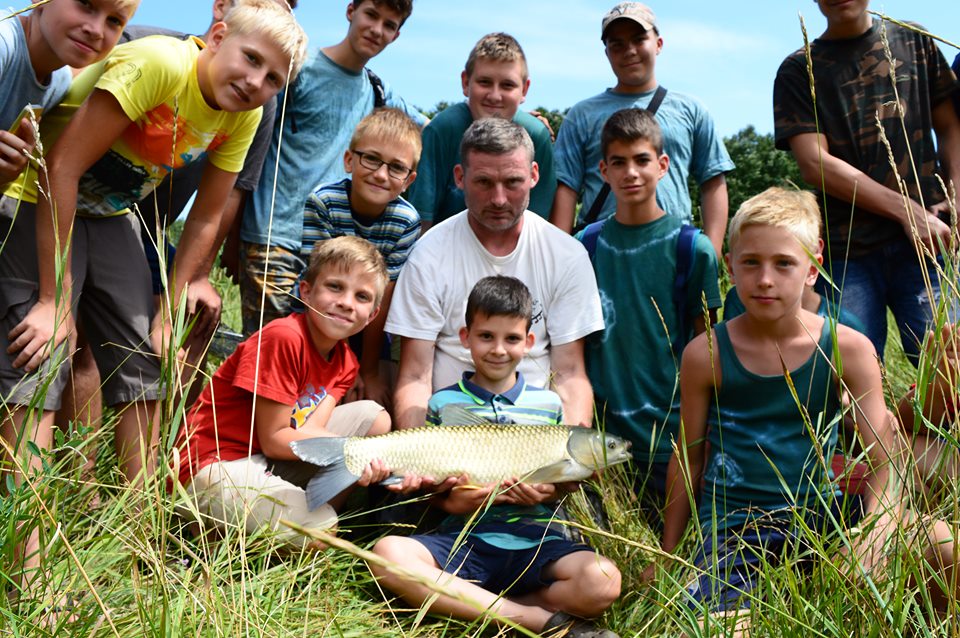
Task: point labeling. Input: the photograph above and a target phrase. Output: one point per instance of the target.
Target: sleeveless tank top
(765, 455)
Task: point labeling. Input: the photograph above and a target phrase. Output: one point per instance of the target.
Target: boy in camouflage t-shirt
(839, 148)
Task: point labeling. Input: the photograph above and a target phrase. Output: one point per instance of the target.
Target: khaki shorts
(247, 494)
(113, 302)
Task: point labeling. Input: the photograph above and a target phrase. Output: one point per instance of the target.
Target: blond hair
(497, 47)
(344, 253)
(276, 21)
(389, 124)
(795, 211)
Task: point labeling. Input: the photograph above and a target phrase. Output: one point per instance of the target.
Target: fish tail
(332, 475)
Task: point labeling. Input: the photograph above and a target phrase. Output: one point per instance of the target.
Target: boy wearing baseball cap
(633, 42)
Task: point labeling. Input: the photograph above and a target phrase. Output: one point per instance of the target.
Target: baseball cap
(639, 13)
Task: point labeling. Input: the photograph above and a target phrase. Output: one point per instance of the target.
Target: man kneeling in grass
(759, 440)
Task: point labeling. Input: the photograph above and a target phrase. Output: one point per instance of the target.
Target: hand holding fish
(374, 472)
(515, 492)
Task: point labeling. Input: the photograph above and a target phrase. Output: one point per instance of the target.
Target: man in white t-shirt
(495, 235)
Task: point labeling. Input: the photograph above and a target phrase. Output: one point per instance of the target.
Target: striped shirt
(521, 404)
(327, 214)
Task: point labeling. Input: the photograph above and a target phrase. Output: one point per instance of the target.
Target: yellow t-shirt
(155, 81)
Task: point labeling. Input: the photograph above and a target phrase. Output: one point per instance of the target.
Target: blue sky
(725, 53)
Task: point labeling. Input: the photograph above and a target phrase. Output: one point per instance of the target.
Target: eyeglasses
(373, 163)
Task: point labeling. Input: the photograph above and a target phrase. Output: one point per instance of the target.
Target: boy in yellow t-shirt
(153, 105)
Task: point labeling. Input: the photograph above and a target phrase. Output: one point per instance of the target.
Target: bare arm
(846, 182)
(885, 449)
(87, 137)
(714, 209)
(271, 425)
(195, 253)
(941, 394)
(686, 466)
(564, 208)
(230, 232)
(414, 382)
(571, 383)
(13, 149)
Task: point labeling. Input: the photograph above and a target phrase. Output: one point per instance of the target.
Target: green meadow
(118, 561)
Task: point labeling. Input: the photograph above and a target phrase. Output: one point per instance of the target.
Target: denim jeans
(889, 277)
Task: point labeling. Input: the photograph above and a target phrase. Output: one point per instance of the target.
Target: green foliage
(553, 116)
(759, 165)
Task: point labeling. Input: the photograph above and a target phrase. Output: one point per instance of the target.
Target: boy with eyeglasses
(381, 162)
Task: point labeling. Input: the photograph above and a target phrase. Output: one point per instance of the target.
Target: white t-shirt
(431, 295)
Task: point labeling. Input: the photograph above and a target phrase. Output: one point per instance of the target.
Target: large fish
(487, 453)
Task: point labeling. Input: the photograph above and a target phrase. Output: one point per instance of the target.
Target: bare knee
(381, 424)
(601, 581)
(395, 549)
(597, 582)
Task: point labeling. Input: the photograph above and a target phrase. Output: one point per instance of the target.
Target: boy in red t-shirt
(282, 385)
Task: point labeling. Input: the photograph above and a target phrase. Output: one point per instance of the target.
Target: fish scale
(486, 453)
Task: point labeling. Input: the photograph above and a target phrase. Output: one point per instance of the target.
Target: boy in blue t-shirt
(754, 442)
(633, 44)
(512, 560)
(382, 163)
(632, 364)
(36, 53)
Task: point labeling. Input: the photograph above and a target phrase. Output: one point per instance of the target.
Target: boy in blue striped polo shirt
(382, 163)
(502, 546)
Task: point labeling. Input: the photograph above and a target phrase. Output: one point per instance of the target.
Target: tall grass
(119, 562)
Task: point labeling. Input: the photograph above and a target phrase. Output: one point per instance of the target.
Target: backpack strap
(379, 93)
(656, 100)
(686, 241)
(594, 211)
(591, 233)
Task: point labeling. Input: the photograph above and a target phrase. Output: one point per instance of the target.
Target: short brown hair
(344, 253)
(403, 7)
(497, 47)
(500, 296)
(390, 124)
(631, 125)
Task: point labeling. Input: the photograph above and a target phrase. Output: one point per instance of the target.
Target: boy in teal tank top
(756, 448)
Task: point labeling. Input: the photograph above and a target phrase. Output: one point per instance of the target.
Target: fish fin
(322, 450)
(393, 479)
(457, 415)
(327, 483)
(332, 475)
(559, 472)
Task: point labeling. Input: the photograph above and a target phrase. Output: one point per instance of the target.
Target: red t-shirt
(291, 372)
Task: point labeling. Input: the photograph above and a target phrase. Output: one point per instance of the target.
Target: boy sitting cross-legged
(511, 559)
(382, 162)
(759, 443)
(651, 314)
(287, 380)
(495, 81)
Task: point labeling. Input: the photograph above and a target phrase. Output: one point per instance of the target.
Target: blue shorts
(517, 571)
(729, 564)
